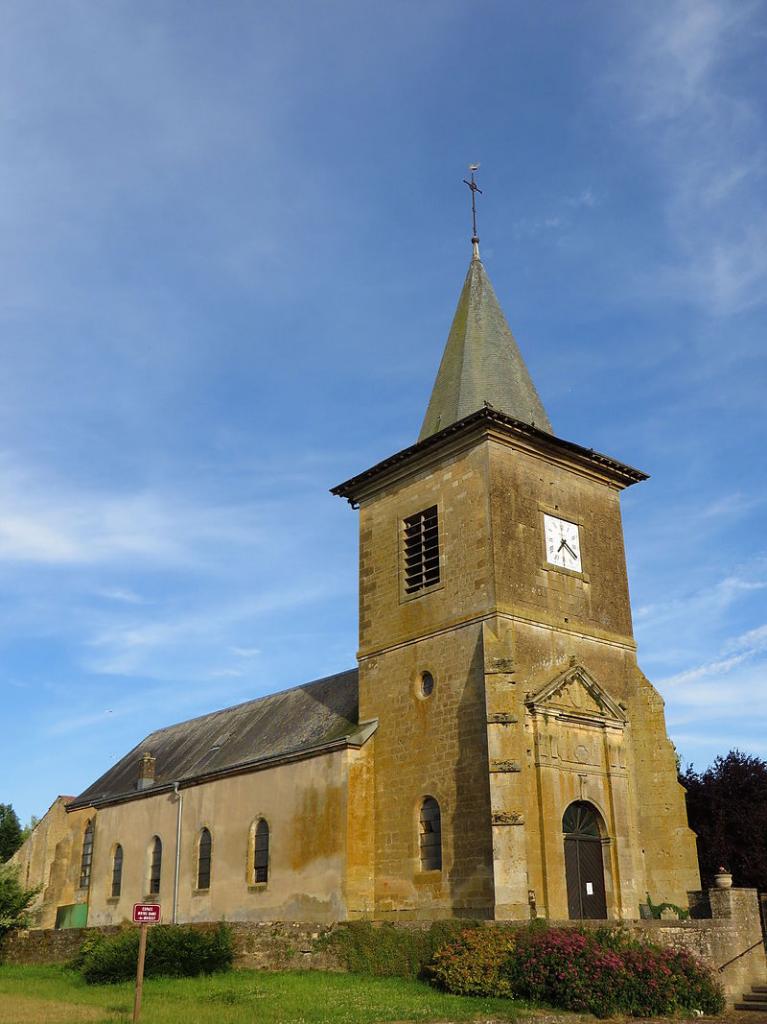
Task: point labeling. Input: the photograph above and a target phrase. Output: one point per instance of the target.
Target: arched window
(203, 859)
(430, 835)
(87, 857)
(581, 819)
(155, 866)
(117, 872)
(261, 852)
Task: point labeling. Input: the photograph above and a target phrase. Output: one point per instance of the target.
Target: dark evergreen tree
(727, 807)
(10, 832)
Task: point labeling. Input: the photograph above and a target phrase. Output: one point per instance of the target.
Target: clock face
(563, 546)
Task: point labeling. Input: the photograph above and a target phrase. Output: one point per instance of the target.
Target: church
(497, 753)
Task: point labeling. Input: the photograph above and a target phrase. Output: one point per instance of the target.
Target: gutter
(179, 808)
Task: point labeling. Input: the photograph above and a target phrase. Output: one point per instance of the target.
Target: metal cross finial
(474, 187)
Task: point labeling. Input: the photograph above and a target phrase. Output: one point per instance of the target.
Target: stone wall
(258, 945)
(45, 945)
(720, 942)
(428, 745)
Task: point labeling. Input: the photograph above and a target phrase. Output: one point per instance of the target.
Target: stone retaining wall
(719, 941)
(261, 945)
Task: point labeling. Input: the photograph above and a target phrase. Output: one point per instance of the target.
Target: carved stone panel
(508, 818)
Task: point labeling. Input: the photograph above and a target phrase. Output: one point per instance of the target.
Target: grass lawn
(51, 995)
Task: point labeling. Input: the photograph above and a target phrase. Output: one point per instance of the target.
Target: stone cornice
(486, 424)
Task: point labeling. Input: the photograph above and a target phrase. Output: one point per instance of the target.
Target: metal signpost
(144, 914)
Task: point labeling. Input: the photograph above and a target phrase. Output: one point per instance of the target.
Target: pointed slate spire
(482, 364)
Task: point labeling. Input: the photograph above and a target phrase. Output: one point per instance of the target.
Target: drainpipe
(179, 808)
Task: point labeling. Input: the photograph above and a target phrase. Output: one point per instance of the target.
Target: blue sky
(232, 237)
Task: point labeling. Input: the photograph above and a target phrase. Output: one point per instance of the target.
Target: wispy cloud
(562, 217)
(120, 594)
(716, 692)
(713, 668)
(192, 645)
(163, 584)
(705, 136)
(751, 641)
(710, 600)
(717, 707)
(48, 522)
(584, 198)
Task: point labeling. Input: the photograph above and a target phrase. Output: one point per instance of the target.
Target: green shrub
(93, 940)
(172, 951)
(385, 949)
(656, 909)
(472, 964)
(14, 899)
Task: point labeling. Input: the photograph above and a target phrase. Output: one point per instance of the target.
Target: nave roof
(285, 725)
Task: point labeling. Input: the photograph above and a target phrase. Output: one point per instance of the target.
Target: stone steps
(755, 1000)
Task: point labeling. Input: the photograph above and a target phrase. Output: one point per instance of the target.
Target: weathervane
(474, 187)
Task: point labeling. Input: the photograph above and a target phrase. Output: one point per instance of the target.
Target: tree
(727, 807)
(10, 832)
(29, 828)
(14, 899)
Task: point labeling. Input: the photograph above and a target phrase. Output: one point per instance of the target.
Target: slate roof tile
(481, 364)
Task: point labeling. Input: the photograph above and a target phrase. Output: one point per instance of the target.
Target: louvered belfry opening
(421, 550)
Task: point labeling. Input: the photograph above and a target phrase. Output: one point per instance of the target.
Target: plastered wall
(305, 804)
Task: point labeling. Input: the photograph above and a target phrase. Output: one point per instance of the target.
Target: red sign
(146, 913)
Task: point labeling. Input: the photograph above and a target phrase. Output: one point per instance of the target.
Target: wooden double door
(584, 864)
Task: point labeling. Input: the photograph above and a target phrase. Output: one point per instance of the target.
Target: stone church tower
(522, 764)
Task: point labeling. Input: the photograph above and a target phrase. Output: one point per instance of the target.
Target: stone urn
(723, 879)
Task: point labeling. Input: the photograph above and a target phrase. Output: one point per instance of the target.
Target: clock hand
(565, 544)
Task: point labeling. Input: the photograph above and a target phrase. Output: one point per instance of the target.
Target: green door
(75, 915)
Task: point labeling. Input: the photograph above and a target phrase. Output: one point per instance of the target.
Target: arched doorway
(584, 866)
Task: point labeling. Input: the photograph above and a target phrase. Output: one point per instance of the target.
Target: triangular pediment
(576, 693)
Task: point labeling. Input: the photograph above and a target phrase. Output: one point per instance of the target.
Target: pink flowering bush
(606, 972)
(603, 971)
(471, 964)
